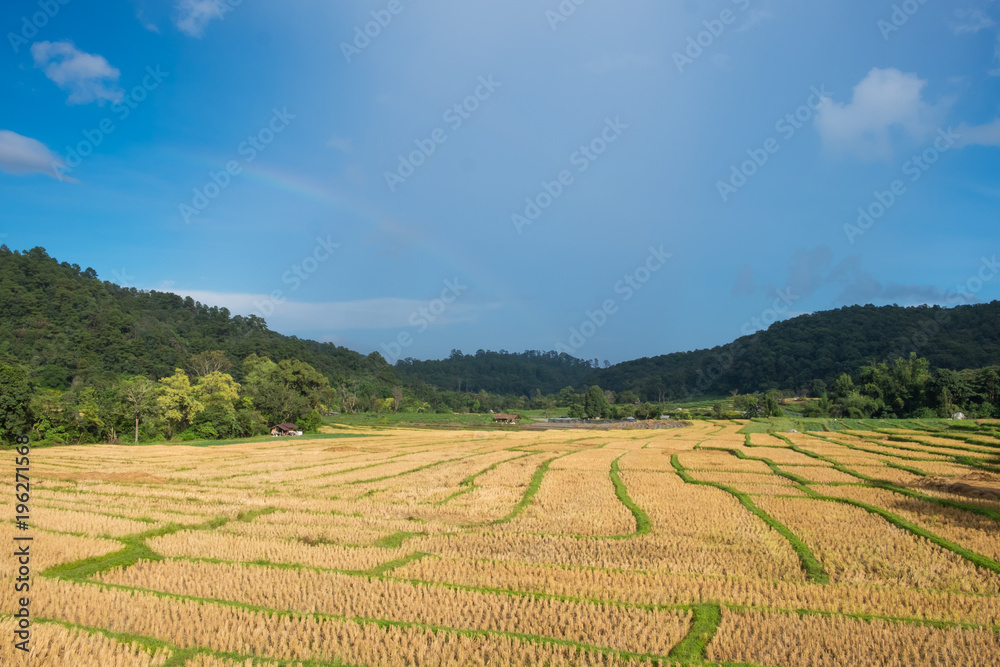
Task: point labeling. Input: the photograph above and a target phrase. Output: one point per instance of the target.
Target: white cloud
(87, 77)
(971, 21)
(193, 16)
(755, 17)
(22, 155)
(996, 58)
(886, 100)
(974, 21)
(979, 135)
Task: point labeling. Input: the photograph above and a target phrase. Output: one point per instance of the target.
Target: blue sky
(617, 180)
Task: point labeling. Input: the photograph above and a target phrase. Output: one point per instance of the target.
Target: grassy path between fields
(810, 564)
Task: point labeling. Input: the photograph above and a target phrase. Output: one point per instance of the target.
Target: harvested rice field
(694, 546)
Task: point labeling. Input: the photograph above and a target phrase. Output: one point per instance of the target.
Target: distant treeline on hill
(74, 345)
(789, 356)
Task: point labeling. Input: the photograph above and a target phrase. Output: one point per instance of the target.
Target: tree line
(88, 361)
(203, 402)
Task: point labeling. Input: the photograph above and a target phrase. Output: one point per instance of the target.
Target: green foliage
(178, 401)
(908, 388)
(648, 410)
(288, 391)
(15, 402)
(595, 405)
(86, 347)
(311, 422)
(501, 372)
(68, 326)
(792, 354)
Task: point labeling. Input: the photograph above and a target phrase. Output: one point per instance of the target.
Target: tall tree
(217, 389)
(595, 404)
(178, 401)
(211, 361)
(138, 395)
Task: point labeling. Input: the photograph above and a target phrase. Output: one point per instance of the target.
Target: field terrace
(701, 545)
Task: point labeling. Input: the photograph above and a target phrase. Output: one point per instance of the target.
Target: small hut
(503, 418)
(285, 429)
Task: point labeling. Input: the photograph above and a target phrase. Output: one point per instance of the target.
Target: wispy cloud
(996, 58)
(971, 21)
(381, 313)
(193, 16)
(886, 100)
(87, 77)
(816, 269)
(755, 17)
(979, 135)
(860, 286)
(23, 155)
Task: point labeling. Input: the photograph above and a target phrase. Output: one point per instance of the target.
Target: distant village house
(503, 418)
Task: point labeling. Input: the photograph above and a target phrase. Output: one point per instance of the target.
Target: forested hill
(789, 355)
(518, 373)
(62, 323)
(792, 354)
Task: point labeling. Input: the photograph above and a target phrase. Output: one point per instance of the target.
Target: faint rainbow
(454, 262)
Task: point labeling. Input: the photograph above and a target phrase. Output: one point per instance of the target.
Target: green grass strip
(900, 522)
(395, 540)
(768, 462)
(412, 470)
(704, 623)
(469, 483)
(907, 438)
(533, 486)
(380, 570)
(879, 451)
(249, 515)
(537, 639)
(944, 502)
(886, 485)
(857, 616)
(975, 463)
(180, 656)
(642, 523)
(912, 471)
(387, 576)
(810, 564)
(135, 550)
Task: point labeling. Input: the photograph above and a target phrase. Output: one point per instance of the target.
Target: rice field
(693, 546)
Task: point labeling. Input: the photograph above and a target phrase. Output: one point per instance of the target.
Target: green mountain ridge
(63, 324)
